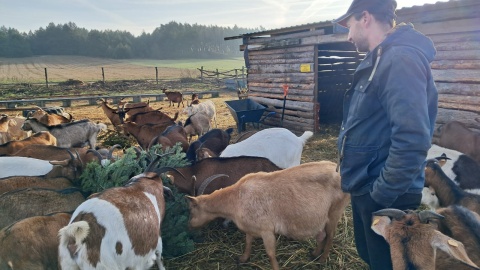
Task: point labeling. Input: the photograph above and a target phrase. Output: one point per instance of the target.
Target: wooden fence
(220, 77)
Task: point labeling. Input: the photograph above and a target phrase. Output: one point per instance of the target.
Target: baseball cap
(372, 6)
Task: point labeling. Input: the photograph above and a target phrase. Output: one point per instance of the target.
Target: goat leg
(269, 242)
(248, 248)
(321, 243)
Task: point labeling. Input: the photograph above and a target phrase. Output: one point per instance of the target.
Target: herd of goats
(258, 182)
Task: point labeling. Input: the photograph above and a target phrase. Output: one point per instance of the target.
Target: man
(388, 120)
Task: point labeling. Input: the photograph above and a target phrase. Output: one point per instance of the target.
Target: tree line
(169, 41)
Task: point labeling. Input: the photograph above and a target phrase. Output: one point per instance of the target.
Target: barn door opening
(336, 65)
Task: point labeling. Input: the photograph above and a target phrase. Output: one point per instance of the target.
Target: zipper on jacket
(379, 54)
(340, 155)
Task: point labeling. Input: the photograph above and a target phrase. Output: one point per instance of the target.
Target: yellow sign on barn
(305, 68)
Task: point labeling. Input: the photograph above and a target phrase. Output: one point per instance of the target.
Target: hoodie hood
(405, 35)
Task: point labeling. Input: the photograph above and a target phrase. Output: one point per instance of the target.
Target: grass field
(62, 68)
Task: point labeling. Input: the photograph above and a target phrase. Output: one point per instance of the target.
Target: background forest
(169, 41)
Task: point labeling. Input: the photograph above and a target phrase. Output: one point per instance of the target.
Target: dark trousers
(371, 247)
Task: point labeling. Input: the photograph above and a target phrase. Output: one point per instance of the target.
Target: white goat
(298, 202)
(207, 107)
(118, 228)
(429, 198)
(279, 145)
(197, 124)
(25, 166)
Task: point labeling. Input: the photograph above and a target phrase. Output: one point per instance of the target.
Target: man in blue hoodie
(388, 120)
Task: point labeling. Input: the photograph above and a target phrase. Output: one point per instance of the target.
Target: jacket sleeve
(403, 95)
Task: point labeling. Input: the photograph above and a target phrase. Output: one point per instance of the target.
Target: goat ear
(380, 225)
(192, 201)
(452, 247)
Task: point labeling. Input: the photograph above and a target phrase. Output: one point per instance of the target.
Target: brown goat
(298, 202)
(5, 123)
(49, 119)
(32, 243)
(174, 97)
(22, 203)
(144, 134)
(447, 191)
(39, 138)
(455, 135)
(172, 135)
(153, 117)
(21, 182)
(235, 168)
(414, 240)
(111, 113)
(195, 99)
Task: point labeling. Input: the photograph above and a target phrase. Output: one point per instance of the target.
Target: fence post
(218, 77)
(236, 74)
(201, 73)
(243, 72)
(46, 77)
(156, 74)
(103, 76)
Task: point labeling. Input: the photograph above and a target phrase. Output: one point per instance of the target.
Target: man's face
(356, 34)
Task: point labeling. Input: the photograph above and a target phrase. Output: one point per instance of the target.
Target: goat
(32, 243)
(447, 191)
(174, 97)
(28, 202)
(279, 145)
(298, 202)
(42, 137)
(153, 117)
(70, 168)
(129, 109)
(172, 135)
(216, 140)
(144, 134)
(429, 198)
(50, 152)
(49, 119)
(455, 135)
(5, 123)
(13, 129)
(414, 240)
(118, 228)
(197, 124)
(234, 167)
(195, 99)
(207, 107)
(111, 113)
(22, 182)
(69, 134)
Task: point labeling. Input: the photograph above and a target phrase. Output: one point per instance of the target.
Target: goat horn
(96, 153)
(390, 212)
(166, 169)
(425, 216)
(207, 181)
(70, 153)
(194, 181)
(168, 192)
(153, 164)
(110, 152)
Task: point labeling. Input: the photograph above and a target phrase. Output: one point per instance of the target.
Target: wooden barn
(316, 63)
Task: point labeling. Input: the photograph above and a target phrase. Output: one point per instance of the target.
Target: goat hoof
(241, 260)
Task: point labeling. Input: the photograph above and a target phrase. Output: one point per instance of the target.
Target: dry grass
(220, 247)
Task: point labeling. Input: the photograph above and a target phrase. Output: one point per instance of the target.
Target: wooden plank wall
(269, 70)
(454, 27)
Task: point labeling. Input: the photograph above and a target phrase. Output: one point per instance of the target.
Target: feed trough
(246, 111)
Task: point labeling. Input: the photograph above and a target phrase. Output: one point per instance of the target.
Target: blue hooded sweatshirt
(388, 118)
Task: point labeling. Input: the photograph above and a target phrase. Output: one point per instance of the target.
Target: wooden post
(103, 76)
(218, 77)
(46, 77)
(156, 74)
(201, 73)
(236, 74)
(243, 72)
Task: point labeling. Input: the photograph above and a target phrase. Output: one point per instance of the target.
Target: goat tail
(305, 136)
(72, 235)
(102, 126)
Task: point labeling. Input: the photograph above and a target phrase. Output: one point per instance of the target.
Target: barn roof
(403, 12)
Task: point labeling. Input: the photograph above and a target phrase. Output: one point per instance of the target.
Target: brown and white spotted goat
(118, 228)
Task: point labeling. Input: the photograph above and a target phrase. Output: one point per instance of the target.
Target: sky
(137, 16)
